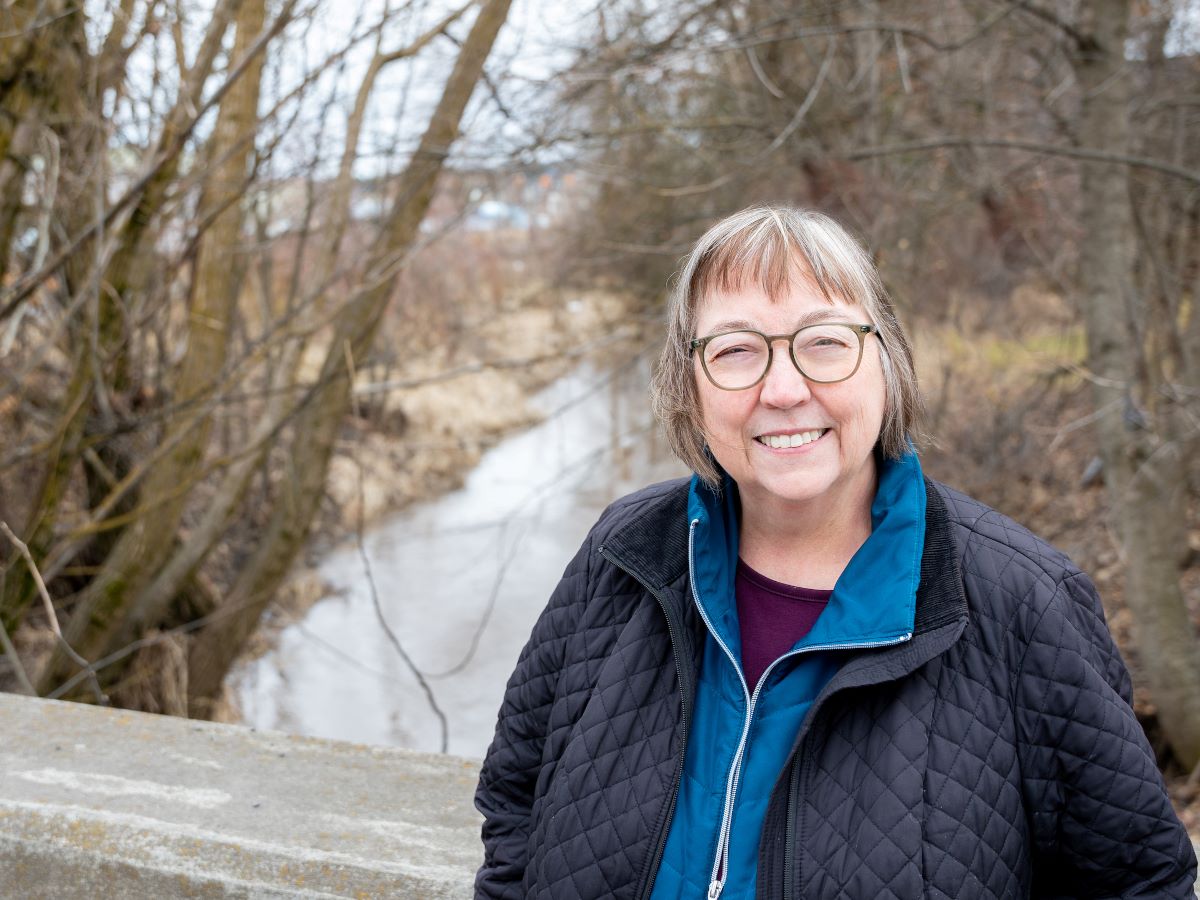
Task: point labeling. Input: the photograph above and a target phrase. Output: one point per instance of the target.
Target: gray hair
(769, 247)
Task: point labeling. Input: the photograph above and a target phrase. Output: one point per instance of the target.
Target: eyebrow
(815, 317)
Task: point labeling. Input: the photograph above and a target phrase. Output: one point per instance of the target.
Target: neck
(807, 544)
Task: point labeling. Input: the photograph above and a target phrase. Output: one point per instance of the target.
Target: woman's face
(845, 418)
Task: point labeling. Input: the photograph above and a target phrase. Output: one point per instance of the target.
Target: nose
(784, 386)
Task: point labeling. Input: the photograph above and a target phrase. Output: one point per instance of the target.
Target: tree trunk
(132, 238)
(40, 72)
(1142, 464)
(316, 428)
(106, 617)
(60, 458)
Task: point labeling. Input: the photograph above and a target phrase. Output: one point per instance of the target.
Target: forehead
(750, 306)
(771, 265)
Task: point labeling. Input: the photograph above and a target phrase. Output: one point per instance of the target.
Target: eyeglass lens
(828, 352)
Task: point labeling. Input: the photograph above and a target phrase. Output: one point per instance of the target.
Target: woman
(810, 671)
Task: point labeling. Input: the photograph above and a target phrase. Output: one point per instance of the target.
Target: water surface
(460, 580)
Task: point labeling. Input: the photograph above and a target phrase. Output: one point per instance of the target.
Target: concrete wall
(108, 803)
(98, 803)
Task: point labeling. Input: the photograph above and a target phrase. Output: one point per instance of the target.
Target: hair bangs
(766, 257)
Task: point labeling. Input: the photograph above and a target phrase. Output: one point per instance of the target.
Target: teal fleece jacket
(742, 735)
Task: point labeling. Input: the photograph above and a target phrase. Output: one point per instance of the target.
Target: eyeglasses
(825, 353)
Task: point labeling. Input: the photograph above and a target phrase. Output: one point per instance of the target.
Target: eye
(736, 346)
(824, 339)
(824, 343)
(731, 351)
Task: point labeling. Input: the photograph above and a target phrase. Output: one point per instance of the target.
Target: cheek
(723, 416)
(860, 408)
(867, 415)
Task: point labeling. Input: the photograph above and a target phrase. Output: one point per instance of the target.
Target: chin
(794, 489)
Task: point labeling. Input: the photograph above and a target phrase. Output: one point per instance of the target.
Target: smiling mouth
(795, 439)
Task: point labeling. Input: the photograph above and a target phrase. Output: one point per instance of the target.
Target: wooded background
(189, 286)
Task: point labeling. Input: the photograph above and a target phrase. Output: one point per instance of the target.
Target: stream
(459, 580)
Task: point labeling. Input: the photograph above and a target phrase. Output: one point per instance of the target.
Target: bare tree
(354, 330)
(171, 401)
(1144, 464)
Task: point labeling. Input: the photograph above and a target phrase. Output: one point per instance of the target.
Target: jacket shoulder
(655, 502)
(1020, 585)
(986, 538)
(647, 531)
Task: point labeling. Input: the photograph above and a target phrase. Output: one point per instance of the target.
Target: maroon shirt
(772, 617)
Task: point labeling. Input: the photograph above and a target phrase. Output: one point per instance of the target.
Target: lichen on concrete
(105, 802)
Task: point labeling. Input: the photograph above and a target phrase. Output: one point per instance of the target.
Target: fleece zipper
(720, 868)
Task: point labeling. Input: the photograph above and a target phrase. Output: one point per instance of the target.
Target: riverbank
(421, 427)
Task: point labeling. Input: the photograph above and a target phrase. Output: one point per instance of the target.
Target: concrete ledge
(97, 802)
(100, 802)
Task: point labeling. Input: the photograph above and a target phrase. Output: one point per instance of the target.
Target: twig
(1062, 431)
(133, 646)
(1085, 43)
(11, 652)
(756, 67)
(1082, 153)
(487, 365)
(387, 630)
(52, 616)
(488, 610)
(353, 395)
(779, 140)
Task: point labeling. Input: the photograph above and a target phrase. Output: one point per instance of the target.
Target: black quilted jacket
(994, 755)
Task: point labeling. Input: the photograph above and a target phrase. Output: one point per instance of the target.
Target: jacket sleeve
(508, 781)
(1102, 823)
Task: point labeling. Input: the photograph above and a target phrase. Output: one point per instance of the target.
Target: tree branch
(15, 661)
(52, 616)
(21, 291)
(1136, 162)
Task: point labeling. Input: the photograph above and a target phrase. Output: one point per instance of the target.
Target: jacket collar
(653, 545)
(941, 598)
(874, 600)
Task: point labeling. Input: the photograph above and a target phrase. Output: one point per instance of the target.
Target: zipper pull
(714, 889)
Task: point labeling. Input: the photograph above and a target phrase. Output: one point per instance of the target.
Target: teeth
(799, 439)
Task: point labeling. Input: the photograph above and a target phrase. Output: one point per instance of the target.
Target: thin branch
(779, 140)
(1086, 43)
(1136, 162)
(52, 616)
(577, 352)
(902, 62)
(1060, 433)
(756, 67)
(488, 609)
(383, 623)
(916, 34)
(38, 24)
(15, 661)
(133, 646)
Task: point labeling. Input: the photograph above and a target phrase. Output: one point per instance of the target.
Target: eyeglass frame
(860, 330)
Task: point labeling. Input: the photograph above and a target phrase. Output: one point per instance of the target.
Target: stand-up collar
(874, 600)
